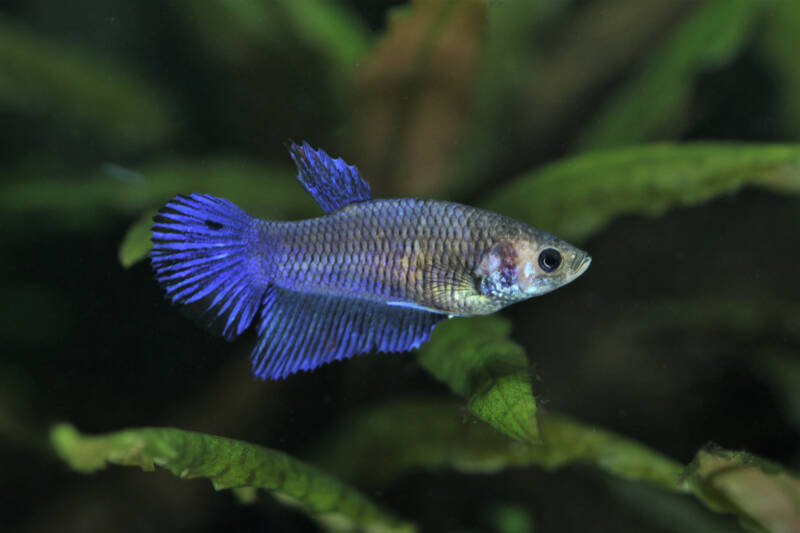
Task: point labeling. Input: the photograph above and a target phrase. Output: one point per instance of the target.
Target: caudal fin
(201, 259)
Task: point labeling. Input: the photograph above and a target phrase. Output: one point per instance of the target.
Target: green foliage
(657, 99)
(479, 362)
(136, 243)
(450, 95)
(577, 197)
(228, 464)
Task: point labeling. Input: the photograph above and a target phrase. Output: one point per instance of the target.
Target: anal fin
(299, 331)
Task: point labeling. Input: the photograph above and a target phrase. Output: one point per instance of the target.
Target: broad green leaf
(228, 464)
(762, 494)
(436, 434)
(136, 243)
(779, 41)
(651, 105)
(477, 360)
(576, 197)
(46, 77)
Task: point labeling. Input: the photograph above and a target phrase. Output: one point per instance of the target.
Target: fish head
(529, 265)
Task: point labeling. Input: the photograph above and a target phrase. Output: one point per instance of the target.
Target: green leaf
(136, 244)
(436, 434)
(228, 464)
(47, 78)
(654, 102)
(576, 197)
(764, 495)
(477, 360)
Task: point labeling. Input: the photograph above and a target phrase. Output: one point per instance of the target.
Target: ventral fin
(300, 331)
(331, 182)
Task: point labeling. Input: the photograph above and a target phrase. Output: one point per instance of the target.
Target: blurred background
(684, 331)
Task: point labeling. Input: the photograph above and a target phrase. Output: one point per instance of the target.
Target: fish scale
(370, 248)
(370, 275)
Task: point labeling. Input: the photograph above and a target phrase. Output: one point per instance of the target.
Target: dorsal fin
(332, 182)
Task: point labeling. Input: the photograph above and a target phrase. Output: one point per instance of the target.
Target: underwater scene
(451, 266)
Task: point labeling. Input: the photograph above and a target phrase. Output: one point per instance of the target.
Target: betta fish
(369, 275)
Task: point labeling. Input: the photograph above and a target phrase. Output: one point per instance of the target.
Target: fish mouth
(581, 265)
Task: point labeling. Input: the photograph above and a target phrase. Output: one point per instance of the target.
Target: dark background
(670, 338)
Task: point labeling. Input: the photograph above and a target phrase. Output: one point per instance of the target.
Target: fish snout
(580, 264)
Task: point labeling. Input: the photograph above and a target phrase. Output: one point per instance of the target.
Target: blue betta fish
(370, 275)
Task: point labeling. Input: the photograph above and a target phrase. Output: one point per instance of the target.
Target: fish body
(372, 274)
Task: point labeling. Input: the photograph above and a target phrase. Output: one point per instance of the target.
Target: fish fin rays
(200, 258)
(331, 182)
(442, 283)
(299, 331)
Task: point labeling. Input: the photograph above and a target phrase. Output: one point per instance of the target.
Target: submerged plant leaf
(478, 361)
(136, 243)
(653, 102)
(436, 434)
(48, 78)
(228, 464)
(761, 493)
(578, 196)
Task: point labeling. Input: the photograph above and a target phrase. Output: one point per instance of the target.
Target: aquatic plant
(590, 120)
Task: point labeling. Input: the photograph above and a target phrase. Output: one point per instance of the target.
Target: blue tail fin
(200, 257)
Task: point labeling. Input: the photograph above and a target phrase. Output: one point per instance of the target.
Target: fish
(370, 275)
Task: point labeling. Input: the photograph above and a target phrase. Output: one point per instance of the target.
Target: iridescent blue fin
(200, 258)
(332, 182)
(303, 331)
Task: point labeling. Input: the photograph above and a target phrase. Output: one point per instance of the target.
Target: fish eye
(549, 259)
